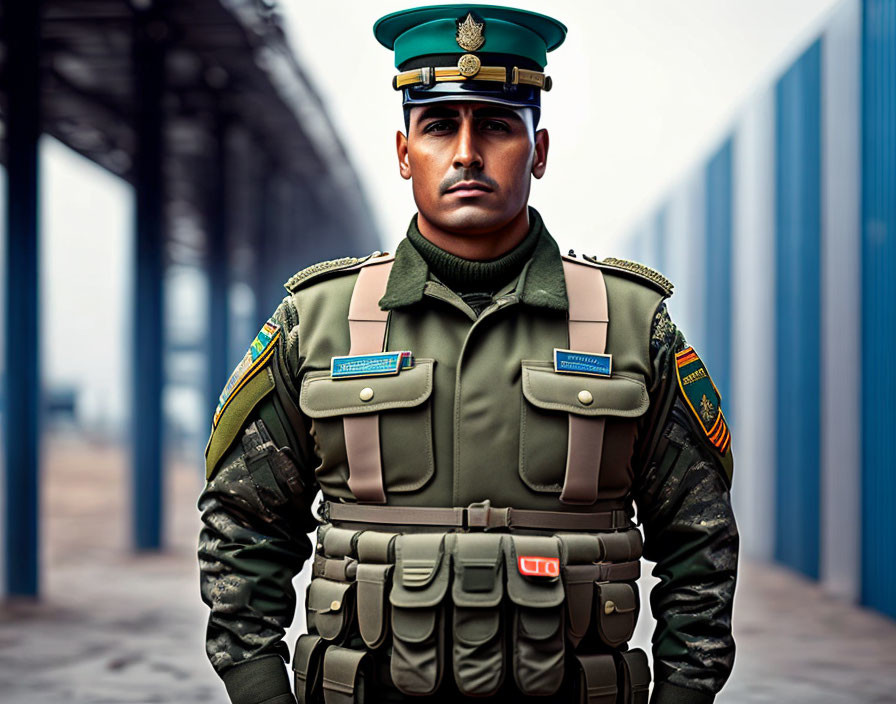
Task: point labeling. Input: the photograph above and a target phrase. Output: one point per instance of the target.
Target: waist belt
(482, 516)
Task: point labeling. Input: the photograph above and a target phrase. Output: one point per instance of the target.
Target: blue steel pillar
(21, 437)
(218, 266)
(148, 339)
(798, 313)
(878, 306)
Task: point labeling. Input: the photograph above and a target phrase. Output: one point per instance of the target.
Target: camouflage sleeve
(256, 514)
(684, 503)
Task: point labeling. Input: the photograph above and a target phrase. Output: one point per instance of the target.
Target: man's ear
(540, 161)
(401, 147)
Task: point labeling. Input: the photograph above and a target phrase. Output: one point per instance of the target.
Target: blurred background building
(166, 166)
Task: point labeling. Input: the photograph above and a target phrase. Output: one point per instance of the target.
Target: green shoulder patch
(640, 271)
(247, 385)
(302, 277)
(703, 398)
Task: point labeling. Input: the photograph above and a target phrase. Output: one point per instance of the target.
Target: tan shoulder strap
(367, 332)
(588, 322)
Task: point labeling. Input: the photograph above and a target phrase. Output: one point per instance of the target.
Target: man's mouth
(469, 188)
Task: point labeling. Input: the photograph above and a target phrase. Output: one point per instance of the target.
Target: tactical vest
(476, 503)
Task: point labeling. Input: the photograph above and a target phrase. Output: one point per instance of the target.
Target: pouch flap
(597, 679)
(372, 604)
(414, 625)
(337, 542)
(541, 590)
(374, 546)
(579, 583)
(617, 395)
(323, 397)
(636, 674)
(476, 626)
(617, 606)
(330, 606)
(580, 548)
(306, 666)
(421, 570)
(343, 675)
(621, 546)
(478, 570)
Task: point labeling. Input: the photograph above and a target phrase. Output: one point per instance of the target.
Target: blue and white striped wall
(783, 248)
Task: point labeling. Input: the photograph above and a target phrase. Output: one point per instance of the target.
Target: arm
(684, 503)
(256, 513)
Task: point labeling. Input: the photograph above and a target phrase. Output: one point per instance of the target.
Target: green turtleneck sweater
(476, 281)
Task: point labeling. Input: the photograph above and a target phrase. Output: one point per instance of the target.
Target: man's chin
(470, 219)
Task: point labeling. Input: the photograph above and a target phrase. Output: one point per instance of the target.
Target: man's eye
(494, 126)
(439, 126)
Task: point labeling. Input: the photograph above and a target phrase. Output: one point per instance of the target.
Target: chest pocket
(549, 399)
(405, 425)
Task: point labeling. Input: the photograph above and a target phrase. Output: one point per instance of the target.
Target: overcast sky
(642, 90)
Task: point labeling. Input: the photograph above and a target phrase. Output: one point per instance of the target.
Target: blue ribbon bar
(353, 366)
(572, 362)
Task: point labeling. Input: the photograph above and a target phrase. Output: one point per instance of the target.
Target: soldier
(481, 415)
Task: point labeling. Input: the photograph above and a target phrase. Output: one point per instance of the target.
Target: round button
(336, 605)
(609, 607)
(366, 394)
(585, 397)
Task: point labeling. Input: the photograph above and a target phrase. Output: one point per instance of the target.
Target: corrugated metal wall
(718, 271)
(797, 329)
(879, 304)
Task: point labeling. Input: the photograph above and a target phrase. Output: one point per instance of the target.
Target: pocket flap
(617, 606)
(330, 606)
(413, 625)
(478, 570)
(542, 590)
(372, 604)
(323, 397)
(579, 581)
(617, 395)
(421, 572)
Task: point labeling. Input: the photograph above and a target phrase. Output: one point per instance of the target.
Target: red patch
(539, 566)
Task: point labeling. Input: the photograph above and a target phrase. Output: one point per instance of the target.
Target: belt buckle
(482, 514)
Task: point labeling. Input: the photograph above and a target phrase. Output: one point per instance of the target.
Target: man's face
(470, 163)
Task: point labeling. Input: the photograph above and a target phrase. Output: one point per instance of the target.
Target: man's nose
(466, 155)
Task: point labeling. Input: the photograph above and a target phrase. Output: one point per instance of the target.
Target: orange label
(539, 566)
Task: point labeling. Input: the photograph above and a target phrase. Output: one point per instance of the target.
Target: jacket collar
(541, 283)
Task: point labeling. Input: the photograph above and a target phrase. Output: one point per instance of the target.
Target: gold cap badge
(470, 33)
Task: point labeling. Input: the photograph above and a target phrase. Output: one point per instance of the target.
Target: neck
(478, 246)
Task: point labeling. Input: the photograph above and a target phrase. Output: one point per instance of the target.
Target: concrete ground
(114, 627)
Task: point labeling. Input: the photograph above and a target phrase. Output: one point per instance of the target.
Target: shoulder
(329, 269)
(635, 271)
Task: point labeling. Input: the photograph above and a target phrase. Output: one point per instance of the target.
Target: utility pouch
(536, 592)
(596, 680)
(634, 676)
(306, 667)
(621, 546)
(376, 554)
(422, 573)
(337, 542)
(330, 608)
(580, 553)
(478, 647)
(342, 570)
(617, 611)
(346, 673)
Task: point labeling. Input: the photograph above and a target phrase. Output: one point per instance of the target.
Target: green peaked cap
(421, 31)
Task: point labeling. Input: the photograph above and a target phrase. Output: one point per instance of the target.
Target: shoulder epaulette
(640, 271)
(302, 277)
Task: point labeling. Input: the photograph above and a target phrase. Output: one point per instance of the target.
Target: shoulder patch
(312, 272)
(703, 398)
(640, 271)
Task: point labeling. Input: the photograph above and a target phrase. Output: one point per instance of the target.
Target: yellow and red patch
(703, 398)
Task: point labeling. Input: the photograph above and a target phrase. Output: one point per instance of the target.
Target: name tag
(379, 364)
(572, 362)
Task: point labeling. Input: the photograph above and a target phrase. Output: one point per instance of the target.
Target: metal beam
(148, 362)
(22, 413)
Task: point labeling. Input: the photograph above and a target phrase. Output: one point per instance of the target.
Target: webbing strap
(476, 516)
(588, 322)
(367, 331)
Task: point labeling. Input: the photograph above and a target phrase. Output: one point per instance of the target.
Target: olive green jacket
(481, 415)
